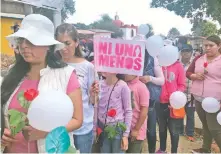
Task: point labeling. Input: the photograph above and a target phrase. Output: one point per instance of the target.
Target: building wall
(6, 24)
(128, 33)
(12, 7)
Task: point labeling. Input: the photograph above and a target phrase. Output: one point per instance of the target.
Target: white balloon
(143, 29)
(178, 100)
(219, 118)
(168, 55)
(154, 44)
(50, 110)
(211, 105)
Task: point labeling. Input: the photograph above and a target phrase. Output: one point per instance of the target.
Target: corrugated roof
(86, 32)
(100, 31)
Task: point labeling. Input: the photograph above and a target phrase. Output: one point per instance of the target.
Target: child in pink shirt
(174, 81)
(140, 103)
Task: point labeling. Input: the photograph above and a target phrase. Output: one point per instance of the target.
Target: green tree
(151, 31)
(196, 10)
(106, 23)
(68, 9)
(173, 33)
(81, 26)
(205, 28)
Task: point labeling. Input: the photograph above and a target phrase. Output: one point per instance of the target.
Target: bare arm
(142, 117)
(159, 79)
(77, 120)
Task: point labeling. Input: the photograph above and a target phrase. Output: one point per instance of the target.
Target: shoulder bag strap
(109, 101)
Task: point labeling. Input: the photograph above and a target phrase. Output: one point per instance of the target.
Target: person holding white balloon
(37, 68)
(71, 54)
(206, 89)
(174, 81)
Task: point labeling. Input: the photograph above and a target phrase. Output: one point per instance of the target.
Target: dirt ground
(185, 146)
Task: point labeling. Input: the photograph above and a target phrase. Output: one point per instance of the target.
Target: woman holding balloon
(37, 69)
(206, 89)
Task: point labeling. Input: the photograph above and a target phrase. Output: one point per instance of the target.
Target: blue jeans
(111, 146)
(151, 125)
(174, 125)
(190, 120)
(84, 142)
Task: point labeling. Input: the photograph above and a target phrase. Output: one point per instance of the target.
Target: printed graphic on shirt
(169, 76)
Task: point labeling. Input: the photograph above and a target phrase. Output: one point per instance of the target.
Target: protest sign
(119, 56)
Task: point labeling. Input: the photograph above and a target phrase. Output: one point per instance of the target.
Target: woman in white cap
(72, 55)
(37, 68)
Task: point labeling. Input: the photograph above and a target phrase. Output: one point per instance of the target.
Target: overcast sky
(130, 12)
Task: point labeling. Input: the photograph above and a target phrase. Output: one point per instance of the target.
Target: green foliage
(205, 29)
(16, 121)
(122, 126)
(196, 10)
(22, 101)
(114, 130)
(111, 131)
(151, 31)
(173, 33)
(106, 23)
(82, 26)
(68, 9)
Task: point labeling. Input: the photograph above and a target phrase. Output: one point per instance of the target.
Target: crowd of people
(131, 104)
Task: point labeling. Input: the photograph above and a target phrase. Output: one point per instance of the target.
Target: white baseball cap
(37, 29)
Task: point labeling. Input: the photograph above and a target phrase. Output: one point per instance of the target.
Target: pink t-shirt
(141, 99)
(22, 145)
(211, 86)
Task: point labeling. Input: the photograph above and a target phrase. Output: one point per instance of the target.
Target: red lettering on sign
(103, 47)
(109, 48)
(137, 51)
(129, 63)
(119, 50)
(128, 50)
(120, 62)
(104, 60)
(137, 63)
(112, 61)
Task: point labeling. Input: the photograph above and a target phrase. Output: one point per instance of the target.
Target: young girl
(174, 81)
(115, 96)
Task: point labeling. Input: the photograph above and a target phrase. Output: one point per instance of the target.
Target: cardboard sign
(119, 56)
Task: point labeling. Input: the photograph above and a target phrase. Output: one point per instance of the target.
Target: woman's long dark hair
(19, 71)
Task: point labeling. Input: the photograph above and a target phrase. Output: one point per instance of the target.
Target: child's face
(129, 77)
